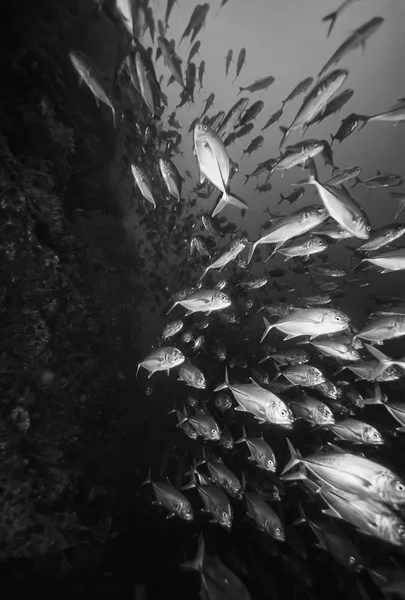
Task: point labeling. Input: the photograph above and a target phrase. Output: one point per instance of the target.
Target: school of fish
(273, 397)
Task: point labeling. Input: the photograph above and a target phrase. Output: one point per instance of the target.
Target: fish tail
(332, 18)
(268, 327)
(285, 131)
(226, 199)
(356, 182)
(149, 477)
(400, 208)
(224, 385)
(171, 308)
(281, 199)
(332, 139)
(383, 361)
(202, 460)
(137, 370)
(364, 120)
(240, 90)
(197, 563)
(278, 372)
(243, 438)
(251, 251)
(302, 518)
(295, 458)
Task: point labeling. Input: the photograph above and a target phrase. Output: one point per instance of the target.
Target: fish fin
(285, 131)
(400, 209)
(336, 448)
(290, 336)
(171, 308)
(297, 476)
(302, 518)
(197, 563)
(170, 515)
(224, 385)
(148, 479)
(295, 457)
(331, 512)
(268, 327)
(240, 409)
(332, 18)
(357, 180)
(251, 251)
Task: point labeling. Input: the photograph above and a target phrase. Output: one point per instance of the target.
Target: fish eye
(205, 127)
(400, 487)
(352, 560)
(368, 228)
(283, 413)
(224, 514)
(278, 531)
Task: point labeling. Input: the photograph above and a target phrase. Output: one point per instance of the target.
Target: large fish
(292, 225)
(315, 101)
(214, 164)
(352, 474)
(309, 321)
(342, 208)
(357, 38)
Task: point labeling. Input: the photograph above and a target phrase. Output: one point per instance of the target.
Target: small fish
(232, 117)
(254, 145)
(357, 432)
(258, 85)
(192, 376)
(381, 180)
(293, 197)
(201, 71)
(273, 119)
(143, 183)
(171, 177)
(312, 410)
(172, 329)
(194, 50)
(260, 452)
(300, 88)
(309, 321)
(356, 39)
(92, 79)
(169, 8)
(240, 62)
(208, 103)
(161, 359)
(343, 175)
(228, 60)
(170, 498)
(315, 101)
(347, 127)
(251, 113)
(265, 187)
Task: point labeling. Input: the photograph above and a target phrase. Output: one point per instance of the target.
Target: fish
(214, 165)
(357, 432)
(343, 175)
(383, 236)
(292, 225)
(92, 79)
(192, 376)
(335, 14)
(201, 71)
(170, 498)
(254, 145)
(209, 102)
(312, 410)
(235, 247)
(203, 300)
(258, 85)
(228, 60)
(264, 516)
(217, 580)
(273, 119)
(315, 101)
(300, 88)
(144, 184)
(333, 106)
(169, 8)
(302, 246)
(309, 321)
(240, 62)
(293, 197)
(388, 261)
(381, 180)
(193, 51)
(353, 474)
(171, 177)
(251, 113)
(356, 39)
(265, 406)
(347, 127)
(215, 501)
(394, 115)
(162, 359)
(342, 208)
